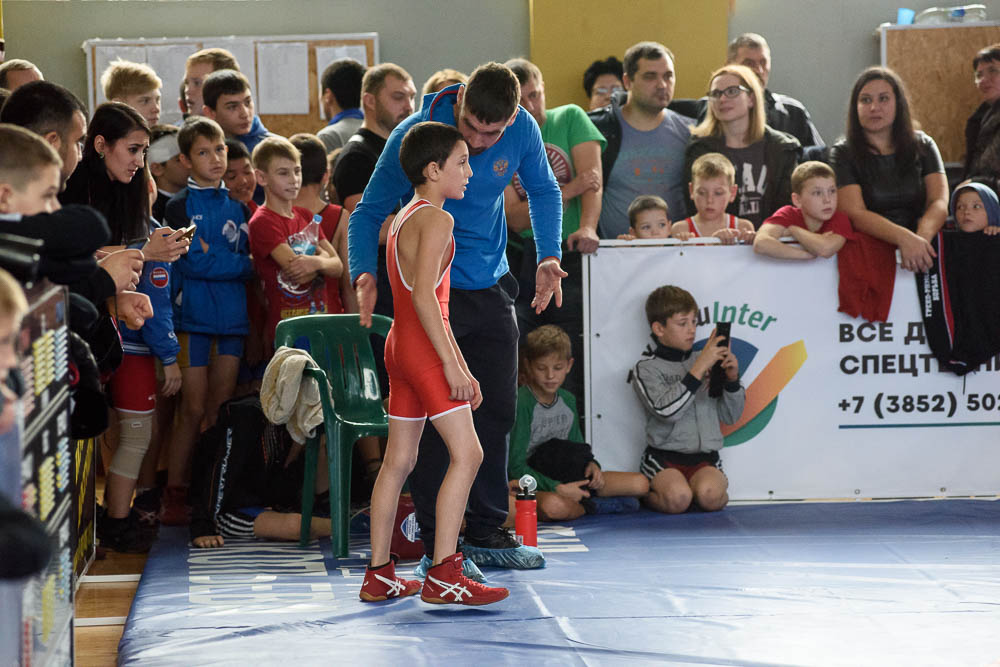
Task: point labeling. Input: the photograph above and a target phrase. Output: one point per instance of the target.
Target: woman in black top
(735, 125)
(113, 155)
(890, 177)
(982, 130)
(112, 178)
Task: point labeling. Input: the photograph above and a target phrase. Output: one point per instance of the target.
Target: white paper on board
(283, 78)
(327, 54)
(243, 50)
(168, 61)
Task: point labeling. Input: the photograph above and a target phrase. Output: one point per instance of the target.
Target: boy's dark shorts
(198, 349)
(562, 460)
(237, 524)
(656, 460)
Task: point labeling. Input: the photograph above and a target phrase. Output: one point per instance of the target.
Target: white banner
(836, 407)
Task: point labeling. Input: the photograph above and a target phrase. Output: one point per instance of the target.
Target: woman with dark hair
(982, 130)
(112, 178)
(735, 125)
(890, 177)
(114, 152)
(602, 80)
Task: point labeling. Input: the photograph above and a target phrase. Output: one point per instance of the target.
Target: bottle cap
(527, 484)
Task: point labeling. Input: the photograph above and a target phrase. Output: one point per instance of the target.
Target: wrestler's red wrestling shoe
(445, 584)
(382, 584)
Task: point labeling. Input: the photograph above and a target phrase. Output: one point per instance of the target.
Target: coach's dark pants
(485, 328)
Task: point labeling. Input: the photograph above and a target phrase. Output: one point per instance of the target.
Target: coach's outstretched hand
(548, 283)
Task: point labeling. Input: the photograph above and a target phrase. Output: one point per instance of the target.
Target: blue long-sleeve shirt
(212, 283)
(480, 225)
(156, 336)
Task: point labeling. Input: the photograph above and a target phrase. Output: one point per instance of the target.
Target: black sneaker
(501, 538)
(147, 508)
(500, 548)
(123, 535)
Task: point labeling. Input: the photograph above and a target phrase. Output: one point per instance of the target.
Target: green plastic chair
(342, 350)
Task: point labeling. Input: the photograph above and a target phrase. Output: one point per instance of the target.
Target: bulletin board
(935, 63)
(284, 71)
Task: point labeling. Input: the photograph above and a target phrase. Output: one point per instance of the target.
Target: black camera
(19, 255)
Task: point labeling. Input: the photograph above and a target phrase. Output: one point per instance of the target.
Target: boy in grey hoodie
(683, 437)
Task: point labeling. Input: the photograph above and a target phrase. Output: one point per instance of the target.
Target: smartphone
(188, 232)
(717, 376)
(723, 329)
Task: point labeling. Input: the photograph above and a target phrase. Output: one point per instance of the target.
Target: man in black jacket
(645, 150)
(784, 113)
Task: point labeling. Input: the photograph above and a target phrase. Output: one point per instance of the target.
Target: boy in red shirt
(813, 220)
(291, 254)
(315, 177)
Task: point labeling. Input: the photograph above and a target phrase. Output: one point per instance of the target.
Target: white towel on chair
(289, 398)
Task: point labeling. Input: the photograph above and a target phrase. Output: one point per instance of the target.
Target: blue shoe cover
(517, 558)
(611, 505)
(469, 569)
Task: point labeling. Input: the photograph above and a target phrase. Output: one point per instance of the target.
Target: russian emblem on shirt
(500, 167)
(231, 231)
(159, 277)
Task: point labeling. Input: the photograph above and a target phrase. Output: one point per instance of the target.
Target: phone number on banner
(883, 405)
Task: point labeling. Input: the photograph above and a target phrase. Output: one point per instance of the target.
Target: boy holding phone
(683, 437)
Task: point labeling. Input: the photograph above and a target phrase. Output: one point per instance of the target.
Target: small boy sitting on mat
(247, 480)
(683, 437)
(547, 444)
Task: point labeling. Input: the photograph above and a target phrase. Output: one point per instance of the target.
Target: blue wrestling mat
(864, 583)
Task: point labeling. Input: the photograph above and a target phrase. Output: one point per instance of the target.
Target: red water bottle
(526, 519)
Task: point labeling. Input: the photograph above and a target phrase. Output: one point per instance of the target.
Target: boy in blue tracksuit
(502, 139)
(133, 392)
(210, 300)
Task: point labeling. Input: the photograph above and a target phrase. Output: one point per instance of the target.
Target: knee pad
(135, 429)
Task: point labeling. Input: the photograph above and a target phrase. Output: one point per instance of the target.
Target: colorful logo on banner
(762, 393)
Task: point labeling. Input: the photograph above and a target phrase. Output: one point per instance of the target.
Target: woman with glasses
(890, 177)
(602, 80)
(735, 126)
(982, 130)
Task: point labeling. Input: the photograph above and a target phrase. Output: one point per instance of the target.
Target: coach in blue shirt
(502, 139)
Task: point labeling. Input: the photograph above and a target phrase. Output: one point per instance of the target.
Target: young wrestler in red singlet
(713, 189)
(428, 377)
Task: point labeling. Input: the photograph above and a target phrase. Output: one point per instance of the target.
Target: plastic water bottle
(526, 518)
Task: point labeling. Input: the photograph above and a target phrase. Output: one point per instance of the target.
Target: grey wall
(421, 35)
(818, 47)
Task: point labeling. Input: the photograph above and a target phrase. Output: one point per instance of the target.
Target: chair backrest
(342, 348)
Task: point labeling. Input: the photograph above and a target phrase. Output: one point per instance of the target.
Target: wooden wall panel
(935, 63)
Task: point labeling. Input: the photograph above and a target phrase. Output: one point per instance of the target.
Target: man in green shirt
(573, 146)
